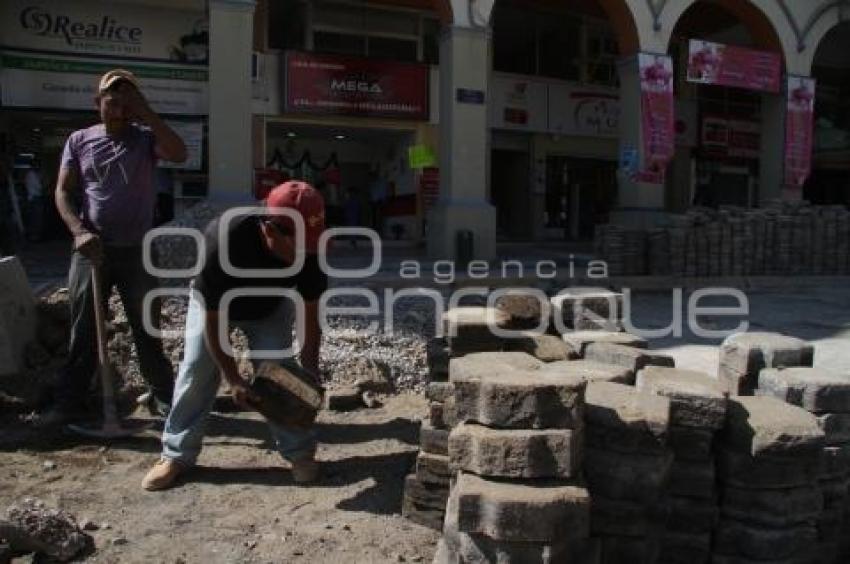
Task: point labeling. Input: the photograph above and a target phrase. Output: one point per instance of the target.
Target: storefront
(50, 60)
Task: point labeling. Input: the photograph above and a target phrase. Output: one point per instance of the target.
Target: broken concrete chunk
(31, 526)
(521, 399)
(433, 440)
(515, 453)
(744, 355)
(578, 341)
(696, 399)
(593, 371)
(764, 425)
(534, 512)
(814, 389)
(772, 508)
(627, 357)
(545, 348)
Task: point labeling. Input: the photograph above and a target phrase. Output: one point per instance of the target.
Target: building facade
(511, 119)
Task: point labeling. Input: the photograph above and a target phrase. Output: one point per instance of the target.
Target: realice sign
(43, 22)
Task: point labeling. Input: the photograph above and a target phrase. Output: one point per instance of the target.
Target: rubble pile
(781, 238)
(32, 526)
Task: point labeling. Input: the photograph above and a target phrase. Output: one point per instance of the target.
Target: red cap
(307, 201)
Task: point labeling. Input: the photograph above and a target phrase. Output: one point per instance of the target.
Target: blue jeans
(198, 381)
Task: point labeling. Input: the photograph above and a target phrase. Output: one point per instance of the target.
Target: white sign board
(517, 104)
(42, 81)
(192, 133)
(584, 110)
(111, 29)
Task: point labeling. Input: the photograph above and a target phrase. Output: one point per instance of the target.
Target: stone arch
(821, 23)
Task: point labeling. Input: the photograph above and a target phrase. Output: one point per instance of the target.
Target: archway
(830, 179)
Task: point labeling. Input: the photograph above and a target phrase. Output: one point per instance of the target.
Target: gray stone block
(627, 357)
(696, 400)
(835, 427)
(736, 538)
(515, 453)
(433, 469)
(537, 512)
(692, 479)
(625, 518)
(627, 477)
(425, 495)
(593, 371)
(764, 425)
(521, 399)
(772, 508)
(766, 472)
(545, 348)
(688, 443)
(816, 390)
(422, 515)
(744, 355)
(433, 440)
(443, 415)
(578, 341)
(524, 310)
(627, 411)
(477, 364)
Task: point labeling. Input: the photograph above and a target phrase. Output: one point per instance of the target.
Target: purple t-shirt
(116, 176)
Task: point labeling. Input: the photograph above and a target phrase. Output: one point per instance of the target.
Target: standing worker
(254, 242)
(109, 168)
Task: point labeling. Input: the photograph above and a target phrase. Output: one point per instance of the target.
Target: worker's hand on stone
(90, 246)
(242, 395)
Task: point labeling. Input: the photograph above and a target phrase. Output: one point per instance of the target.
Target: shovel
(112, 427)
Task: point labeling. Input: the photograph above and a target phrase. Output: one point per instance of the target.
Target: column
(640, 205)
(230, 137)
(771, 185)
(464, 146)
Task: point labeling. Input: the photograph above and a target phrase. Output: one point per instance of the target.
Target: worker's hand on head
(242, 395)
(90, 246)
(135, 103)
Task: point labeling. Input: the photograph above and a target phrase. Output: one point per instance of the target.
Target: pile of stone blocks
(468, 329)
(744, 355)
(769, 461)
(517, 495)
(697, 412)
(627, 467)
(581, 309)
(825, 394)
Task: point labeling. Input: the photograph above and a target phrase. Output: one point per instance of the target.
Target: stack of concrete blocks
(825, 394)
(627, 466)
(769, 459)
(518, 496)
(529, 319)
(697, 412)
(18, 315)
(744, 355)
(583, 309)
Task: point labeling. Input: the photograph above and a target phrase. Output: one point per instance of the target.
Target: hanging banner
(799, 130)
(332, 84)
(728, 65)
(657, 115)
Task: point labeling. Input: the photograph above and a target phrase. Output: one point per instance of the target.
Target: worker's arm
(168, 145)
(86, 242)
(312, 338)
(226, 363)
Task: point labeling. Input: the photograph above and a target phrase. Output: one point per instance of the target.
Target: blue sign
(467, 96)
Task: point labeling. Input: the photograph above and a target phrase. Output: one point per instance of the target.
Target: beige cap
(114, 76)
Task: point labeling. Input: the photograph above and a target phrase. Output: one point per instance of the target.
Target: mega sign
(329, 84)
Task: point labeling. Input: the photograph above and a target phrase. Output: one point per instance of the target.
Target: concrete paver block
(439, 391)
(685, 548)
(578, 341)
(692, 516)
(425, 495)
(588, 308)
(18, 315)
(628, 550)
(515, 453)
(477, 364)
(764, 425)
(736, 538)
(437, 356)
(766, 472)
(627, 411)
(692, 479)
(696, 399)
(627, 477)
(688, 443)
(443, 415)
(524, 310)
(468, 329)
(836, 427)
(546, 348)
(835, 462)
(625, 518)
(744, 355)
(536, 512)
(814, 389)
(521, 399)
(772, 508)
(593, 371)
(629, 357)
(433, 469)
(433, 440)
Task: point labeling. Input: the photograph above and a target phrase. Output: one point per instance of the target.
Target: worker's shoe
(305, 471)
(163, 475)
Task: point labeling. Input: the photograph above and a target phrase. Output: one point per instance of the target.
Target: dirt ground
(240, 504)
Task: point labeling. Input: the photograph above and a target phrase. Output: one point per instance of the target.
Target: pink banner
(658, 118)
(728, 65)
(799, 130)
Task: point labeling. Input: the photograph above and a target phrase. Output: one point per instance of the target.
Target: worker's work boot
(163, 475)
(305, 471)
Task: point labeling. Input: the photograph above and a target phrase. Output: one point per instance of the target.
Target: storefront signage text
(45, 23)
(728, 65)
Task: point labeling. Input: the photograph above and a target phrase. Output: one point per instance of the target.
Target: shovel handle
(110, 415)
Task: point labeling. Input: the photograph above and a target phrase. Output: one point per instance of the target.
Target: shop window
(287, 23)
(391, 48)
(339, 43)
